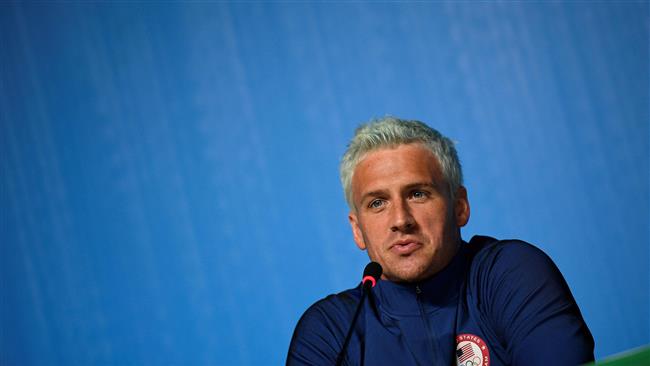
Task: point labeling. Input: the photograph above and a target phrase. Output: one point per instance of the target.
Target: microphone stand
(367, 285)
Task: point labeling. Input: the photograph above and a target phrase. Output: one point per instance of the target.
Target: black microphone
(371, 275)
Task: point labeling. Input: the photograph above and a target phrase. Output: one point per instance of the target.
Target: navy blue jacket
(496, 303)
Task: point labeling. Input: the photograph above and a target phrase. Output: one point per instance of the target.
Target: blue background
(170, 188)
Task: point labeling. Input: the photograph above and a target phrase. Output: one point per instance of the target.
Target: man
(440, 300)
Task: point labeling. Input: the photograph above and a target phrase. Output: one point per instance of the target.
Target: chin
(407, 275)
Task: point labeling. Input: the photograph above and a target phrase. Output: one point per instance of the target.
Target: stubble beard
(423, 265)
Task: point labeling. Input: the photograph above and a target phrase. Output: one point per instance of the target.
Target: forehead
(401, 165)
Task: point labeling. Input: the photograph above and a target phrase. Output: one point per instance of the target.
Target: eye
(376, 203)
(419, 195)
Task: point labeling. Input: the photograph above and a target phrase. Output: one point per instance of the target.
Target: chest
(449, 335)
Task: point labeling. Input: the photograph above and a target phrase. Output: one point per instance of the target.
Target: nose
(403, 220)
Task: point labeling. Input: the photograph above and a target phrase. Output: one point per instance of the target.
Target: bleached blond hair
(389, 132)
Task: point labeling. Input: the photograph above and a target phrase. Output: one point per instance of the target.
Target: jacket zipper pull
(417, 289)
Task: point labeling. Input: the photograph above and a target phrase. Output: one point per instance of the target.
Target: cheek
(435, 224)
(371, 224)
(374, 234)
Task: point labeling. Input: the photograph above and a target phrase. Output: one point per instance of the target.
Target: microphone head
(371, 274)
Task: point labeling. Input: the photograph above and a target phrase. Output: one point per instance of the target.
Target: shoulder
(344, 301)
(508, 277)
(485, 247)
(321, 330)
(331, 310)
(490, 256)
(522, 298)
(502, 268)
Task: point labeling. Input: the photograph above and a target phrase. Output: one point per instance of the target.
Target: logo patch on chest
(471, 350)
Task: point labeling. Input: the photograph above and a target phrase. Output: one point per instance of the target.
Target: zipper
(430, 333)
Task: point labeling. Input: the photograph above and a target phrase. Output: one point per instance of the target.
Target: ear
(356, 231)
(461, 207)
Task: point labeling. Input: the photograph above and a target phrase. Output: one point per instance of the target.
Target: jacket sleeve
(531, 308)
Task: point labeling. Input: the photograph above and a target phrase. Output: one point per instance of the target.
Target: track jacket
(496, 303)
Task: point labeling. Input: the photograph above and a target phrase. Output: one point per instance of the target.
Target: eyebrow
(378, 192)
(420, 185)
(381, 192)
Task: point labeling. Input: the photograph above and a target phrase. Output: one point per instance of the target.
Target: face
(404, 215)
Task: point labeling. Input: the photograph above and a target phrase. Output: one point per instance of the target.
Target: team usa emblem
(471, 350)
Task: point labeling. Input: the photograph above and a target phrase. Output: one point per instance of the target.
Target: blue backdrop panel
(169, 171)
